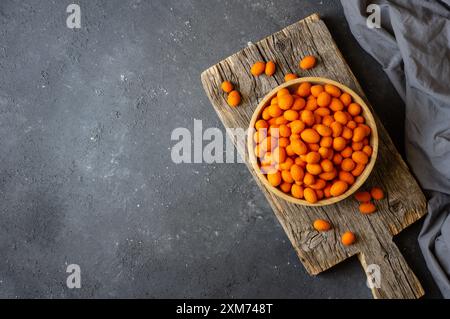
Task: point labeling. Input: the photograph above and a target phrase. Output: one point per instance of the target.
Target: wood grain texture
(405, 202)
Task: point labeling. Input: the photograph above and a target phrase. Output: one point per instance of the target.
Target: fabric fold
(413, 47)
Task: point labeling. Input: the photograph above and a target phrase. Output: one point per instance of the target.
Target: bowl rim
(370, 120)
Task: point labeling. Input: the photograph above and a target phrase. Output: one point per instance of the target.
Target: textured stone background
(85, 169)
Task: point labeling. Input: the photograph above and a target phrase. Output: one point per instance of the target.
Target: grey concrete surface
(85, 170)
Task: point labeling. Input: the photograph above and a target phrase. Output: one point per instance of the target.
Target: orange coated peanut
(310, 136)
(323, 99)
(258, 68)
(321, 225)
(332, 90)
(377, 193)
(367, 208)
(304, 89)
(297, 191)
(290, 76)
(348, 238)
(360, 157)
(297, 172)
(285, 101)
(234, 98)
(227, 87)
(363, 197)
(286, 187)
(274, 178)
(308, 62)
(338, 188)
(270, 68)
(310, 195)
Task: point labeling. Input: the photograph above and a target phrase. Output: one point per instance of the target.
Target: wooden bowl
(370, 121)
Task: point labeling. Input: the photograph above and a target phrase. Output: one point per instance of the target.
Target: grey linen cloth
(413, 47)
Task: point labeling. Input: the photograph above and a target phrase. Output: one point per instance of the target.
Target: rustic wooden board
(405, 202)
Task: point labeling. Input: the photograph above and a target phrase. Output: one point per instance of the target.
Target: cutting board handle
(388, 274)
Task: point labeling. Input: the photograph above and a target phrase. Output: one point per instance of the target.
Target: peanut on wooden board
(270, 68)
(234, 98)
(321, 225)
(307, 62)
(367, 208)
(258, 68)
(377, 193)
(348, 238)
(318, 135)
(227, 87)
(261, 67)
(363, 197)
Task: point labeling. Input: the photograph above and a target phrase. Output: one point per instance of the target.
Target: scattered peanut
(377, 193)
(321, 225)
(348, 238)
(227, 87)
(367, 208)
(308, 62)
(234, 98)
(363, 197)
(270, 68)
(258, 68)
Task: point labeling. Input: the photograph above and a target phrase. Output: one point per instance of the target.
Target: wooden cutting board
(405, 202)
